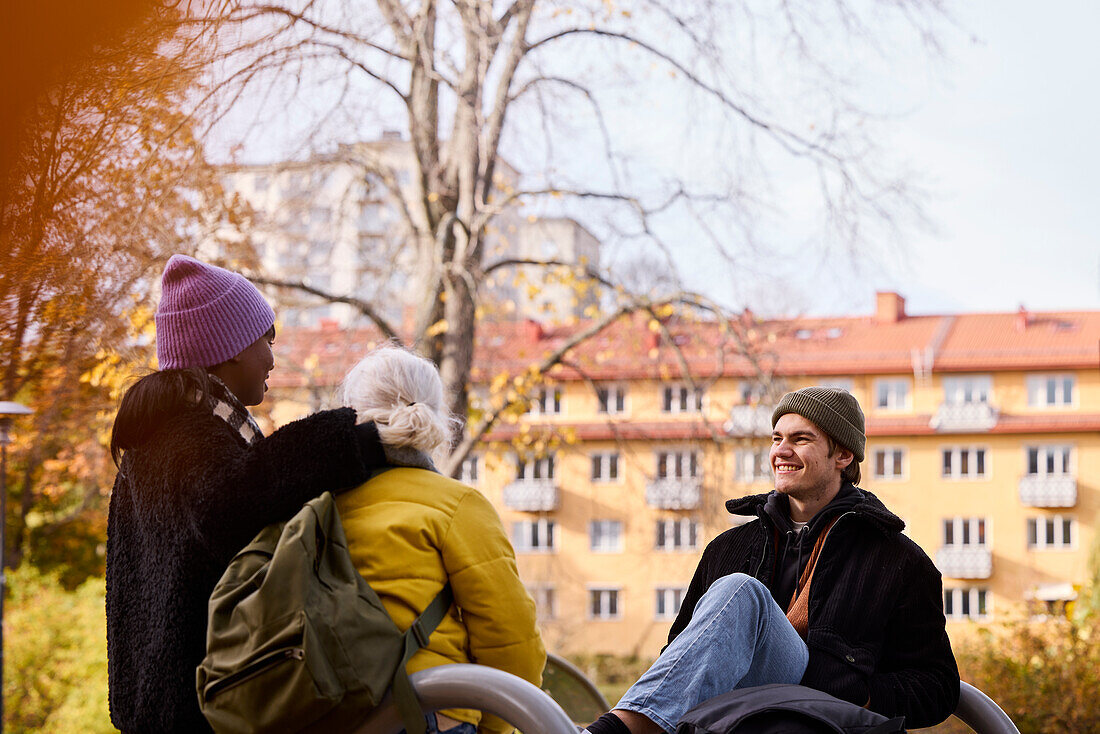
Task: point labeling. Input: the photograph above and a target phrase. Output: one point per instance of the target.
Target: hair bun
(402, 393)
(415, 425)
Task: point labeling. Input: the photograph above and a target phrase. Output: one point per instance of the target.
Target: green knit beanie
(832, 410)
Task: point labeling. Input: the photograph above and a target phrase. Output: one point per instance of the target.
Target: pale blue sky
(1006, 132)
(1002, 132)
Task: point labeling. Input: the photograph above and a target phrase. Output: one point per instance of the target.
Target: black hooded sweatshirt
(795, 546)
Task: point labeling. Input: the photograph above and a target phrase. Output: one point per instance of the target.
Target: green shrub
(612, 674)
(1044, 672)
(55, 655)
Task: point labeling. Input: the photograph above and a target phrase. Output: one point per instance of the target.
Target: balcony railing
(964, 417)
(750, 420)
(1056, 490)
(965, 562)
(531, 495)
(674, 493)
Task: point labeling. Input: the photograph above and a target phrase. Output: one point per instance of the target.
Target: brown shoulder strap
(798, 611)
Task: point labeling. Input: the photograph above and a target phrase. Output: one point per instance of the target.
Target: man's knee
(738, 583)
(739, 588)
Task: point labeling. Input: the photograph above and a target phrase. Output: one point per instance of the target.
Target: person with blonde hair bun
(411, 530)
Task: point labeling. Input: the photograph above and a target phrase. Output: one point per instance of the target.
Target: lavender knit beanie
(206, 314)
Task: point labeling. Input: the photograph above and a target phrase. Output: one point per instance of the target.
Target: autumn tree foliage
(101, 184)
(1042, 669)
(478, 85)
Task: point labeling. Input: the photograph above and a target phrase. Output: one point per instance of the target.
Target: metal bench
(535, 711)
(477, 687)
(981, 713)
(583, 702)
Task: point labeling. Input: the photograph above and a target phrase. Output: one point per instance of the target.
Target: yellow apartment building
(983, 435)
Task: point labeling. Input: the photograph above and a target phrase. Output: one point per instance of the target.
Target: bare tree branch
(364, 308)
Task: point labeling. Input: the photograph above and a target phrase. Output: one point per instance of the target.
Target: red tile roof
(630, 349)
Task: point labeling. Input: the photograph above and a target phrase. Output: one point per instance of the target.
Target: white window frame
(1047, 459)
(547, 400)
(546, 600)
(678, 397)
(968, 389)
(604, 603)
(538, 467)
(676, 534)
(535, 536)
(611, 398)
(471, 470)
(973, 597)
(752, 465)
(678, 464)
(955, 471)
(605, 536)
(892, 393)
(965, 532)
(1050, 533)
(751, 392)
(606, 466)
(1039, 388)
(895, 463)
(838, 383)
(667, 601)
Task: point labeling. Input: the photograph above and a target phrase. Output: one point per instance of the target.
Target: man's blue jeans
(738, 637)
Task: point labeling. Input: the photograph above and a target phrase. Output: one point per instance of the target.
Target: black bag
(783, 709)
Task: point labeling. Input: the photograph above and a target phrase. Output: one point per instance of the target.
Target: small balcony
(750, 420)
(1055, 490)
(531, 495)
(964, 417)
(965, 562)
(673, 493)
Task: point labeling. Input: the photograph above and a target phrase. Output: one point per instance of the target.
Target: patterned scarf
(224, 404)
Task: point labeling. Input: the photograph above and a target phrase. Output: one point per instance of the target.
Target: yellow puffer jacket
(409, 532)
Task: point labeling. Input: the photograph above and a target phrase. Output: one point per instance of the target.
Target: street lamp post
(7, 410)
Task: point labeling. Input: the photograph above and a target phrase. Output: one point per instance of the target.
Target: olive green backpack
(297, 641)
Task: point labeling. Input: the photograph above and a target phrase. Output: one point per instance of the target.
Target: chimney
(889, 307)
(329, 324)
(1023, 318)
(532, 330)
(408, 318)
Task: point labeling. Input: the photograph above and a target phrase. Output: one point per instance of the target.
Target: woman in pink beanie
(197, 480)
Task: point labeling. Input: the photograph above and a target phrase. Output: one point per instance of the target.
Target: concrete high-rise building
(331, 222)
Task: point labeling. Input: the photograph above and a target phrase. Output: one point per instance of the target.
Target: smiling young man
(820, 589)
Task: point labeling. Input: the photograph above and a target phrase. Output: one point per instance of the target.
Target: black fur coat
(183, 504)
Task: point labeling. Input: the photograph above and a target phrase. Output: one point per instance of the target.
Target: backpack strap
(416, 637)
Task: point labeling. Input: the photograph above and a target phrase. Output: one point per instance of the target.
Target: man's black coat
(876, 625)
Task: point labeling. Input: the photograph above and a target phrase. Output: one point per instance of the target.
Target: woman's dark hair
(151, 400)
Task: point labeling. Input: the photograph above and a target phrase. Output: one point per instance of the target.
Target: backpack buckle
(418, 632)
